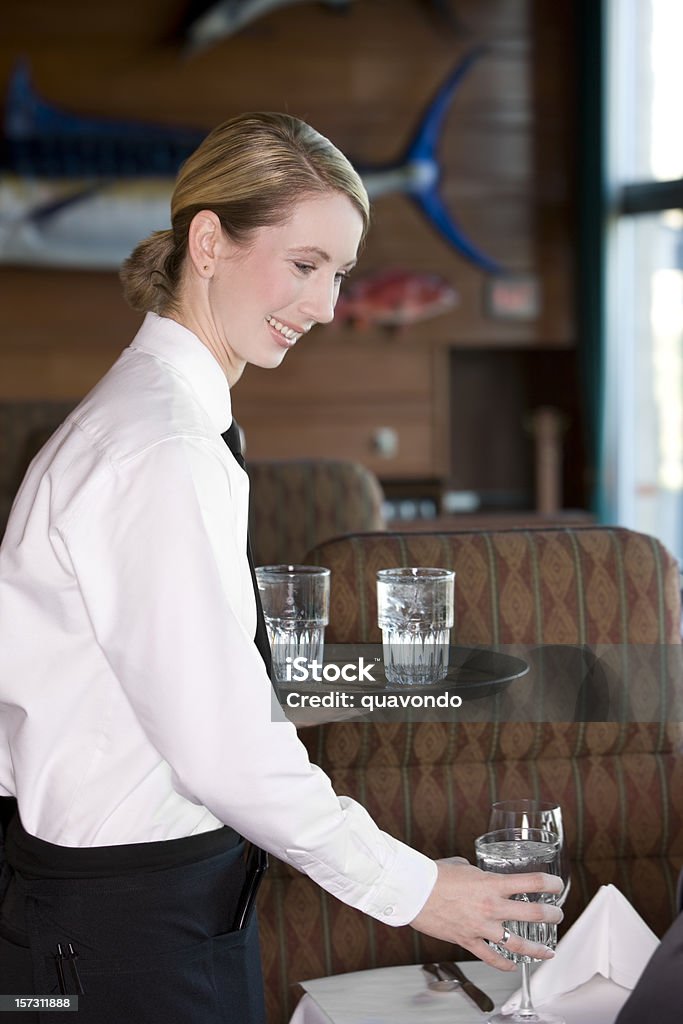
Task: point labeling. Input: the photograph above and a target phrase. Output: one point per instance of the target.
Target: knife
(479, 998)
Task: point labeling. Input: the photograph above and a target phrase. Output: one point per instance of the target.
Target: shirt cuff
(404, 888)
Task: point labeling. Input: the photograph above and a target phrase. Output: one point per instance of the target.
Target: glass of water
(517, 851)
(415, 614)
(296, 607)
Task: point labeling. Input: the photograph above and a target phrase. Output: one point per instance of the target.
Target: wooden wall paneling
(555, 113)
(61, 330)
(338, 400)
(333, 429)
(63, 308)
(52, 375)
(488, 390)
(317, 370)
(441, 418)
(496, 462)
(363, 78)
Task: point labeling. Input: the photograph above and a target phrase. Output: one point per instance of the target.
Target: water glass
(296, 607)
(415, 614)
(517, 851)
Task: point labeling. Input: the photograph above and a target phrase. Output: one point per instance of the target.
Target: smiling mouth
(288, 333)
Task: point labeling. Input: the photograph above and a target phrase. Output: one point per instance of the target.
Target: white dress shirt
(134, 705)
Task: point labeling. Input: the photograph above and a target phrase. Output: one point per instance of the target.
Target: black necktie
(257, 860)
(232, 439)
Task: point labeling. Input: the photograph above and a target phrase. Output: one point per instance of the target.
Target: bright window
(643, 429)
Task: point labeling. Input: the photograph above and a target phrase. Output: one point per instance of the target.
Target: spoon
(440, 984)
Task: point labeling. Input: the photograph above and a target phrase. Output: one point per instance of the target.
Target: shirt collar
(170, 342)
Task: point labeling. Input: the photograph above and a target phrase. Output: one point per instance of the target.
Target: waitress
(136, 724)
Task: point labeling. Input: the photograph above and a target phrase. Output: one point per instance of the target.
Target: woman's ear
(205, 242)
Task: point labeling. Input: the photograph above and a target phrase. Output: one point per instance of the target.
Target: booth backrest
(620, 784)
(573, 585)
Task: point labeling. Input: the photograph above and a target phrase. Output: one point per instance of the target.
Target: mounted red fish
(395, 298)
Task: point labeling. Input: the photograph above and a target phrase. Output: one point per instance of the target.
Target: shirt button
(388, 911)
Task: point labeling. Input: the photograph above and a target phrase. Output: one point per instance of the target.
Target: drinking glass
(415, 614)
(296, 607)
(535, 814)
(518, 850)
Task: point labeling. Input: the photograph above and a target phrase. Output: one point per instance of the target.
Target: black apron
(148, 927)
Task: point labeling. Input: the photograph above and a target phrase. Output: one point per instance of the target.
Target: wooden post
(547, 427)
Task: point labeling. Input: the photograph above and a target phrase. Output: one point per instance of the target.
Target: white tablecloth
(399, 995)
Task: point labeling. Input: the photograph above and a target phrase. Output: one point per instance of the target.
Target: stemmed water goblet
(542, 814)
(520, 850)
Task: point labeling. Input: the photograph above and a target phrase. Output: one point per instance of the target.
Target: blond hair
(249, 171)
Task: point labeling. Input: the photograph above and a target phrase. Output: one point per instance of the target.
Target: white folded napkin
(609, 938)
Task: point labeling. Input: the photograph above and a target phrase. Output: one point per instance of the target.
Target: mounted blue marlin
(82, 191)
(417, 173)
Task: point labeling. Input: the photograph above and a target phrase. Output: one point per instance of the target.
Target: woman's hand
(468, 906)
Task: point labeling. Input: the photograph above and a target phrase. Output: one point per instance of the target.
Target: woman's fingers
(535, 911)
(471, 907)
(490, 956)
(535, 881)
(515, 944)
(524, 947)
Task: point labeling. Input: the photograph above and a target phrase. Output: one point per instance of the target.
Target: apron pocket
(238, 980)
(217, 981)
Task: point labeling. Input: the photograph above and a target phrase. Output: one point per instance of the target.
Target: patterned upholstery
(298, 503)
(580, 585)
(432, 783)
